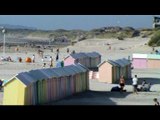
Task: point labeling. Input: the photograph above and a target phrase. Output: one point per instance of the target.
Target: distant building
(89, 60)
(156, 22)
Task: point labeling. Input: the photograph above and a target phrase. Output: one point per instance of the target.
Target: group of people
(144, 87)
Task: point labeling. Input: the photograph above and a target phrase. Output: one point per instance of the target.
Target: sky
(85, 22)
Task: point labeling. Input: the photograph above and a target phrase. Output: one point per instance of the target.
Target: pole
(4, 45)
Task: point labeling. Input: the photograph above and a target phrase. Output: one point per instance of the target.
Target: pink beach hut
(139, 61)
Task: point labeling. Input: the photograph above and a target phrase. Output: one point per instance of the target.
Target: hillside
(69, 36)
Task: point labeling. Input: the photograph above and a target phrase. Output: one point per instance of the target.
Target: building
(94, 59)
(89, 60)
(139, 61)
(144, 61)
(156, 22)
(111, 70)
(153, 61)
(45, 85)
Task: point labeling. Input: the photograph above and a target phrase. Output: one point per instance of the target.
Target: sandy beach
(119, 49)
(99, 92)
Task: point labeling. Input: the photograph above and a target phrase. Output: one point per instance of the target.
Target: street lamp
(4, 31)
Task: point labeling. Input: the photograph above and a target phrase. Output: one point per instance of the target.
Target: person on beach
(33, 58)
(1, 82)
(122, 82)
(57, 57)
(44, 65)
(73, 52)
(67, 50)
(156, 102)
(57, 50)
(51, 61)
(135, 84)
(62, 63)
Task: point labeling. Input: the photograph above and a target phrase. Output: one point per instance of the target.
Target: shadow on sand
(92, 98)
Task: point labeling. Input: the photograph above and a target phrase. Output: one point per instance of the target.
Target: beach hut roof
(122, 62)
(138, 55)
(37, 74)
(83, 66)
(110, 62)
(101, 63)
(113, 63)
(153, 56)
(23, 77)
(51, 73)
(56, 72)
(93, 54)
(60, 71)
(76, 69)
(78, 55)
(79, 66)
(69, 70)
(47, 73)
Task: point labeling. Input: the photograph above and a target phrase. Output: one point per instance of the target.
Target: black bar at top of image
(79, 7)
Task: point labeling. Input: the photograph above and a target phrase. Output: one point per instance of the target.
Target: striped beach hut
(84, 85)
(125, 67)
(45, 85)
(40, 85)
(139, 61)
(94, 59)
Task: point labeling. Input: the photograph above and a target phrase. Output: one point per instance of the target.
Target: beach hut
(19, 90)
(109, 71)
(139, 61)
(89, 60)
(85, 76)
(73, 76)
(75, 58)
(60, 82)
(125, 67)
(45, 85)
(86, 60)
(52, 84)
(40, 78)
(153, 61)
(94, 59)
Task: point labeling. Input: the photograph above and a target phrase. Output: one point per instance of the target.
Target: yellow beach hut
(17, 89)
